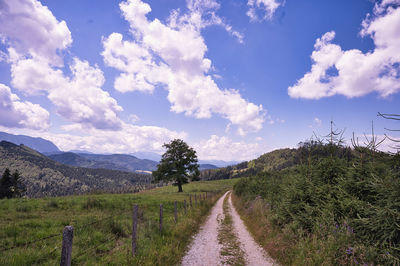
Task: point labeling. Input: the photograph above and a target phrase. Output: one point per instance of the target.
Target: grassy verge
(289, 247)
(231, 252)
(102, 226)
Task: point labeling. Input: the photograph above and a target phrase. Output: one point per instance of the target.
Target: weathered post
(66, 250)
(190, 201)
(184, 206)
(175, 212)
(161, 217)
(195, 200)
(134, 228)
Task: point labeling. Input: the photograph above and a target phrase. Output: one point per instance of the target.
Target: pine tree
(11, 185)
(6, 185)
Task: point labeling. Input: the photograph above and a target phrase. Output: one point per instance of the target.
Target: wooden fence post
(176, 212)
(161, 217)
(66, 250)
(134, 228)
(184, 206)
(195, 200)
(190, 201)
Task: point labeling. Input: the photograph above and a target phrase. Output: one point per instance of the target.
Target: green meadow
(31, 229)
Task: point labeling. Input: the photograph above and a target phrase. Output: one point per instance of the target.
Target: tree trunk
(180, 187)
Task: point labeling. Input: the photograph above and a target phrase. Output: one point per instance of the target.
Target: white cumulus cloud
(353, 73)
(260, 10)
(20, 114)
(224, 148)
(78, 98)
(35, 41)
(31, 28)
(173, 56)
(130, 138)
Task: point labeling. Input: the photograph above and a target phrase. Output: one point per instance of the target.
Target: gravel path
(255, 255)
(205, 249)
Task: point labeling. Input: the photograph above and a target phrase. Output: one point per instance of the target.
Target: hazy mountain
(122, 162)
(80, 151)
(147, 155)
(218, 163)
(45, 177)
(38, 144)
(205, 164)
(74, 159)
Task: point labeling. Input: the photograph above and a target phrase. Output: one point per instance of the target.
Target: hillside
(38, 144)
(121, 162)
(45, 177)
(278, 160)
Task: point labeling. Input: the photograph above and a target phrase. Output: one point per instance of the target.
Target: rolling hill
(121, 162)
(45, 177)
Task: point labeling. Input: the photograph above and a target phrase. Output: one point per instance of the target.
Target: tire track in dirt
(205, 248)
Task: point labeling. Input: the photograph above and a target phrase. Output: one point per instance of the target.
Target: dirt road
(206, 246)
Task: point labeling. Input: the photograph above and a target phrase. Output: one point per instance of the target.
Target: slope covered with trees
(45, 177)
(121, 162)
(333, 205)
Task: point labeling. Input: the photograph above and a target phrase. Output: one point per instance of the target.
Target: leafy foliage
(178, 164)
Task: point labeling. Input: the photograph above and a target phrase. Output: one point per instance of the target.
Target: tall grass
(102, 226)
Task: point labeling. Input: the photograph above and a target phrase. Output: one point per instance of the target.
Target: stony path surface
(205, 249)
(254, 254)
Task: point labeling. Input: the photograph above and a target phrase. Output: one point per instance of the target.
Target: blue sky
(234, 79)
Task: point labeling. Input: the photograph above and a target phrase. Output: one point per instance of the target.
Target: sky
(234, 79)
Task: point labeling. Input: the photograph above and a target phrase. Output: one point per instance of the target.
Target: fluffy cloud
(223, 148)
(35, 41)
(78, 98)
(353, 73)
(173, 55)
(16, 113)
(31, 28)
(260, 10)
(129, 139)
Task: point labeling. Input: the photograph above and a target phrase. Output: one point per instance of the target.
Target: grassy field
(31, 229)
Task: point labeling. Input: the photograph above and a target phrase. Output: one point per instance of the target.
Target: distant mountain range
(38, 144)
(121, 162)
(46, 177)
(157, 157)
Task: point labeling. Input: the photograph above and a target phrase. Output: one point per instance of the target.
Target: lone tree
(178, 164)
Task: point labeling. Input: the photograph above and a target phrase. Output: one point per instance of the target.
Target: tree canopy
(178, 164)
